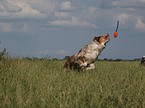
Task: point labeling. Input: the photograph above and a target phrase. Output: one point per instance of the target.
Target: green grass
(43, 83)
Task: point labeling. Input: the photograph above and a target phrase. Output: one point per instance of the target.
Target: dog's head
(102, 39)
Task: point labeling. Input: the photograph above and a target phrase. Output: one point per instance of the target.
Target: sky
(59, 28)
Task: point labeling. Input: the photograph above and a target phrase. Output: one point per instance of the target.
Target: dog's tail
(68, 63)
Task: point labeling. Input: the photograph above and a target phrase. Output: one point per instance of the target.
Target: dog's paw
(92, 66)
(83, 64)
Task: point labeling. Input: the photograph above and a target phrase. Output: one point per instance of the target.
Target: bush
(3, 54)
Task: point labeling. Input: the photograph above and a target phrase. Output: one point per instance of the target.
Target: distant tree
(118, 60)
(105, 59)
(27, 58)
(66, 57)
(137, 59)
(55, 59)
(110, 59)
(35, 58)
(3, 54)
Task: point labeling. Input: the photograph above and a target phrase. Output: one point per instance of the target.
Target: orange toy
(115, 33)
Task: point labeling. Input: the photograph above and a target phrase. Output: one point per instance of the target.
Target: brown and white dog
(84, 59)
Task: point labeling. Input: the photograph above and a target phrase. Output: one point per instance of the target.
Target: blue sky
(59, 28)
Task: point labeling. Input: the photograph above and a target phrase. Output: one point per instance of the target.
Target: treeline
(106, 59)
(5, 55)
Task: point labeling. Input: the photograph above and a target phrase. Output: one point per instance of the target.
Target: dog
(85, 58)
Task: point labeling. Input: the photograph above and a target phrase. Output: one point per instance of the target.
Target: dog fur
(85, 58)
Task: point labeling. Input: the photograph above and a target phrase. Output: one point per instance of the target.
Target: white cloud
(36, 53)
(115, 3)
(46, 7)
(12, 8)
(73, 22)
(142, 1)
(108, 4)
(18, 12)
(72, 6)
(62, 51)
(66, 5)
(123, 18)
(91, 13)
(130, 21)
(123, 4)
(45, 52)
(140, 24)
(92, 10)
(15, 27)
(61, 15)
(26, 9)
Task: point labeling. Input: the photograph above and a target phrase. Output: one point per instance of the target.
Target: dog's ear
(97, 39)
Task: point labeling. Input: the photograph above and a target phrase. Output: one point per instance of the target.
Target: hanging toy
(115, 33)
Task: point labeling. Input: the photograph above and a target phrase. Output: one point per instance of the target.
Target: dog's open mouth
(107, 37)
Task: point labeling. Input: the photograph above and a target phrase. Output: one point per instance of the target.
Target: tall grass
(44, 83)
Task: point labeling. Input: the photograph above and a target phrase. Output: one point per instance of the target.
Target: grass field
(43, 83)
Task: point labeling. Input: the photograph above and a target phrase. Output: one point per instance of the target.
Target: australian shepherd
(84, 59)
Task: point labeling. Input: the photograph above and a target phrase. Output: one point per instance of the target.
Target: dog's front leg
(91, 66)
(83, 64)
